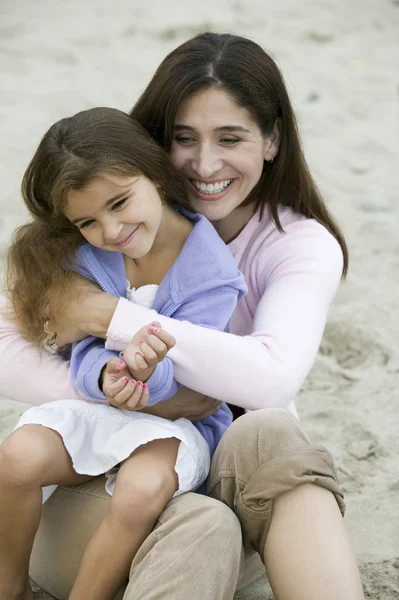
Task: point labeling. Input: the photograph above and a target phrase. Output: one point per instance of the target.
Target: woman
(218, 104)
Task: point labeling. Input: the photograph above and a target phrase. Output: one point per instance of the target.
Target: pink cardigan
(274, 334)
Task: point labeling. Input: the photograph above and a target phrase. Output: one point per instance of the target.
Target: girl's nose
(111, 230)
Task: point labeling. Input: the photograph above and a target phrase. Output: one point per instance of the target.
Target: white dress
(98, 437)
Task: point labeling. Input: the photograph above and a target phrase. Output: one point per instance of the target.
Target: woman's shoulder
(295, 227)
(303, 245)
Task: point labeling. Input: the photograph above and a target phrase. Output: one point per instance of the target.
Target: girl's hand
(147, 348)
(79, 310)
(120, 389)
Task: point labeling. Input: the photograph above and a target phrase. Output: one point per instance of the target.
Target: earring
(270, 161)
(49, 342)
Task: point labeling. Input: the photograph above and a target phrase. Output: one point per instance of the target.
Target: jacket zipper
(95, 277)
(104, 287)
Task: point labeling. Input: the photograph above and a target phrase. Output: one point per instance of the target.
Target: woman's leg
(180, 559)
(144, 485)
(285, 493)
(309, 540)
(30, 458)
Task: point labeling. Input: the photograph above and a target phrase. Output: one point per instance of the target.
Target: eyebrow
(230, 128)
(108, 202)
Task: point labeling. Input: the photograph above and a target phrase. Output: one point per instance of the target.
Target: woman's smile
(220, 150)
(213, 190)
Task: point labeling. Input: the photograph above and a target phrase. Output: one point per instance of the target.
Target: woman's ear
(272, 144)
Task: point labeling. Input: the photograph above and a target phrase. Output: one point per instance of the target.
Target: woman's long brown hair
(73, 152)
(244, 70)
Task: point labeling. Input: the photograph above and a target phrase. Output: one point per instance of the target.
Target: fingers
(128, 394)
(142, 401)
(139, 362)
(115, 366)
(155, 346)
(153, 350)
(115, 391)
(164, 337)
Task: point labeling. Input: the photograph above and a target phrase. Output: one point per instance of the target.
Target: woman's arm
(28, 375)
(36, 378)
(268, 367)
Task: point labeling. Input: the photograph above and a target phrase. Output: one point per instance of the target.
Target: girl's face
(117, 213)
(220, 150)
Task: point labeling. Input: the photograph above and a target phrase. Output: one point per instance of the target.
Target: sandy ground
(341, 63)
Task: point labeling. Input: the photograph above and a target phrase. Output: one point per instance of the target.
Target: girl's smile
(118, 213)
(128, 239)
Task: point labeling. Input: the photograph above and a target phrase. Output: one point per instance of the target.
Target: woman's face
(220, 150)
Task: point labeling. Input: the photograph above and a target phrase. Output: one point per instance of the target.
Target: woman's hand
(185, 404)
(79, 310)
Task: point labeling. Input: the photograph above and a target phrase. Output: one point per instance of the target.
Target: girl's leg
(285, 493)
(180, 559)
(144, 485)
(30, 458)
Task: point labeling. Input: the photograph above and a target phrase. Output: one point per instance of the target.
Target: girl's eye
(85, 224)
(119, 204)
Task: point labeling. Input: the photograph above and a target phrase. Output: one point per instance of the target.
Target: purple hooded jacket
(202, 287)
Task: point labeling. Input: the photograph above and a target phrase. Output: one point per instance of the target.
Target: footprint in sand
(352, 347)
(347, 353)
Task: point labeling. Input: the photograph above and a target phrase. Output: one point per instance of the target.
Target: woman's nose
(206, 163)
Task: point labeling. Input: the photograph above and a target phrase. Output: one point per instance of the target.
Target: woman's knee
(222, 523)
(24, 457)
(270, 432)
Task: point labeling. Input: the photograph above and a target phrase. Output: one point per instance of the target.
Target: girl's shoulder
(204, 263)
(103, 267)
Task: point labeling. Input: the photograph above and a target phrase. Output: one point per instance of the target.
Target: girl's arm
(299, 278)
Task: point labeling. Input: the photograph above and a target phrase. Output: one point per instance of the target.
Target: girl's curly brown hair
(72, 153)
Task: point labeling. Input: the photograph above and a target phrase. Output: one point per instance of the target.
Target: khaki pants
(202, 546)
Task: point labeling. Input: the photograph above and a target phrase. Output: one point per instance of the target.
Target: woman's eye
(229, 141)
(119, 204)
(184, 139)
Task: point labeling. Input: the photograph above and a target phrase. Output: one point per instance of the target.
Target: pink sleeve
(299, 276)
(27, 375)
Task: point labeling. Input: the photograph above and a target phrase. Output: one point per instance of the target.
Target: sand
(340, 59)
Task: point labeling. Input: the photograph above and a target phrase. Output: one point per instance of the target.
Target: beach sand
(340, 59)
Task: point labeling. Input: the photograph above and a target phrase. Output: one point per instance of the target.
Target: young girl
(99, 177)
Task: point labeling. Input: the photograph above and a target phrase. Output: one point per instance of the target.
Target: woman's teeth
(211, 188)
